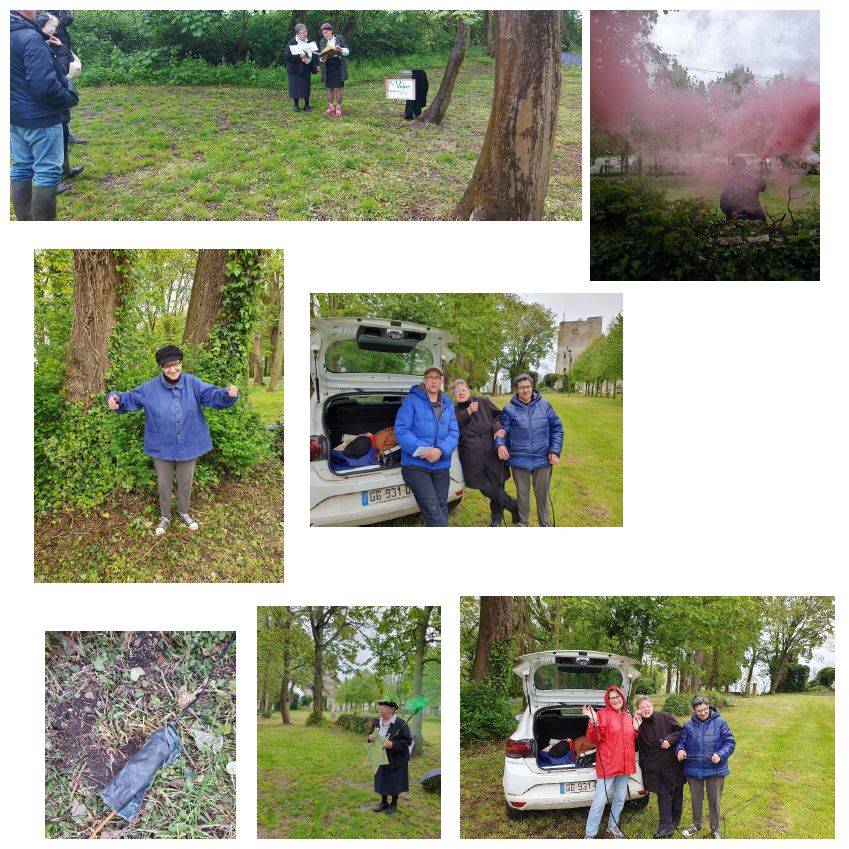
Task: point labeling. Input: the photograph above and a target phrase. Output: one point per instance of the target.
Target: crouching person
(658, 733)
(393, 778)
(705, 744)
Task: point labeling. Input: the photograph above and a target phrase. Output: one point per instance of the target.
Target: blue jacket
(701, 739)
(174, 424)
(39, 92)
(534, 431)
(416, 427)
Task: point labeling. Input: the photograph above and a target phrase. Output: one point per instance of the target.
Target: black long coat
(661, 770)
(394, 778)
(300, 73)
(481, 466)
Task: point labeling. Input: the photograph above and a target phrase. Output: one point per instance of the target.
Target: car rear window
(553, 677)
(346, 357)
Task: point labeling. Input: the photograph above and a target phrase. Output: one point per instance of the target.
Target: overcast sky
(767, 42)
(573, 307)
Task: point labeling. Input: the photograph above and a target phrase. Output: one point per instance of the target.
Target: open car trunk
(558, 723)
(362, 413)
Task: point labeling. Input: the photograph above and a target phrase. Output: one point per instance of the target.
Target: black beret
(389, 703)
(168, 353)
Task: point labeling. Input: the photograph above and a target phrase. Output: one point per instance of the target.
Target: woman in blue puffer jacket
(530, 442)
(705, 744)
(175, 430)
(427, 431)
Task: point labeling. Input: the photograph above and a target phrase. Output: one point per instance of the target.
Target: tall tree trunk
(256, 360)
(99, 285)
(439, 105)
(418, 675)
(205, 300)
(751, 672)
(510, 181)
(495, 624)
(557, 618)
(669, 677)
(490, 38)
(276, 366)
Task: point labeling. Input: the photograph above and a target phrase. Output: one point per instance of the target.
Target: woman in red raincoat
(612, 730)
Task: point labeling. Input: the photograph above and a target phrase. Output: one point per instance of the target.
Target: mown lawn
(773, 200)
(104, 698)
(314, 782)
(232, 153)
(269, 405)
(780, 785)
(586, 486)
(240, 538)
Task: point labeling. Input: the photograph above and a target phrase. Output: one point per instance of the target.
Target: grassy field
(240, 538)
(313, 782)
(105, 693)
(231, 153)
(269, 405)
(586, 486)
(773, 200)
(778, 787)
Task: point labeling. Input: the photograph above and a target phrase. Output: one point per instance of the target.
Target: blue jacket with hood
(416, 427)
(534, 431)
(701, 739)
(174, 425)
(39, 92)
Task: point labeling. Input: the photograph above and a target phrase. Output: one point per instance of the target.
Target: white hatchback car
(361, 370)
(556, 685)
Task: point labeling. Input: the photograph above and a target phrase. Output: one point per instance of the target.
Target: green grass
(313, 782)
(586, 486)
(238, 153)
(240, 538)
(96, 717)
(781, 782)
(773, 200)
(269, 405)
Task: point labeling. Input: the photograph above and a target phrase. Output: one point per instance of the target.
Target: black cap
(168, 353)
(389, 703)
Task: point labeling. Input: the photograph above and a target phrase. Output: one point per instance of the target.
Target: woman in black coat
(392, 778)
(657, 734)
(300, 68)
(479, 421)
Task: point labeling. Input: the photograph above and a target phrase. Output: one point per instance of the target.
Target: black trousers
(499, 499)
(670, 805)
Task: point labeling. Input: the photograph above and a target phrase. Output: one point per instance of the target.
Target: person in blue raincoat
(531, 443)
(426, 429)
(175, 430)
(704, 747)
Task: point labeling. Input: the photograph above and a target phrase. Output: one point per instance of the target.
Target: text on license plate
(577, 787)
(384, 494)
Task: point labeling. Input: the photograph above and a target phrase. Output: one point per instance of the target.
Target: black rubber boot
(497, 519)
(72, 139)
(68, 172)
(44, 203)
(62, 188)
(22, 200)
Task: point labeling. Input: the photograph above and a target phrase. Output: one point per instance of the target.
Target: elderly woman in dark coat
(300, 67)
(392, 778)
(479, 421)
(657, 735)
(334, 67)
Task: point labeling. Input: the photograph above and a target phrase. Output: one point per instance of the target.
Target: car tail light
(518, 748)
(642, 792)
(458, 492)
(518, 804)
(317, 451)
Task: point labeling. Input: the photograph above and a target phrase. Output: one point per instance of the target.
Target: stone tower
(574, 337)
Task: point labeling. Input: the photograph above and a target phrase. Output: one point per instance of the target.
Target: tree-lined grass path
(241, 153)
(313, 782)
(781, 782)
(586, 486)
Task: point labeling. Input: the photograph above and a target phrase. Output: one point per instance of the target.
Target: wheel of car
(639, 803)
(514, 813)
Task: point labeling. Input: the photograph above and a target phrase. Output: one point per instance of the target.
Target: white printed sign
(400, 89)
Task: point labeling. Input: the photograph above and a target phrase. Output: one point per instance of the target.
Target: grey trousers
(165, 471)
(697, 797)
(541, 479)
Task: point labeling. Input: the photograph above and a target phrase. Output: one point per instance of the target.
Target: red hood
(607, 697)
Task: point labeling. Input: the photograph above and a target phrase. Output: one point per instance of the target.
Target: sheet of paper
(298, 49)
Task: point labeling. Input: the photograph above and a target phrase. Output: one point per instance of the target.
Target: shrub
(680, 704)
(795, 679)
(266, 714)
(312, 719)
(484, 712)
(359, 723)
(825, 677)
(638, 234)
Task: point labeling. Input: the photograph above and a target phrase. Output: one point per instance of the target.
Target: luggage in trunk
(559, 724)
(363, 413)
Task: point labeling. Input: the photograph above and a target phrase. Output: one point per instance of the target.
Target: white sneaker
(188, 521)
(162, 526)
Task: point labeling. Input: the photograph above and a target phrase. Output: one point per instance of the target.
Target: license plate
(386, 493)
(577, 787)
